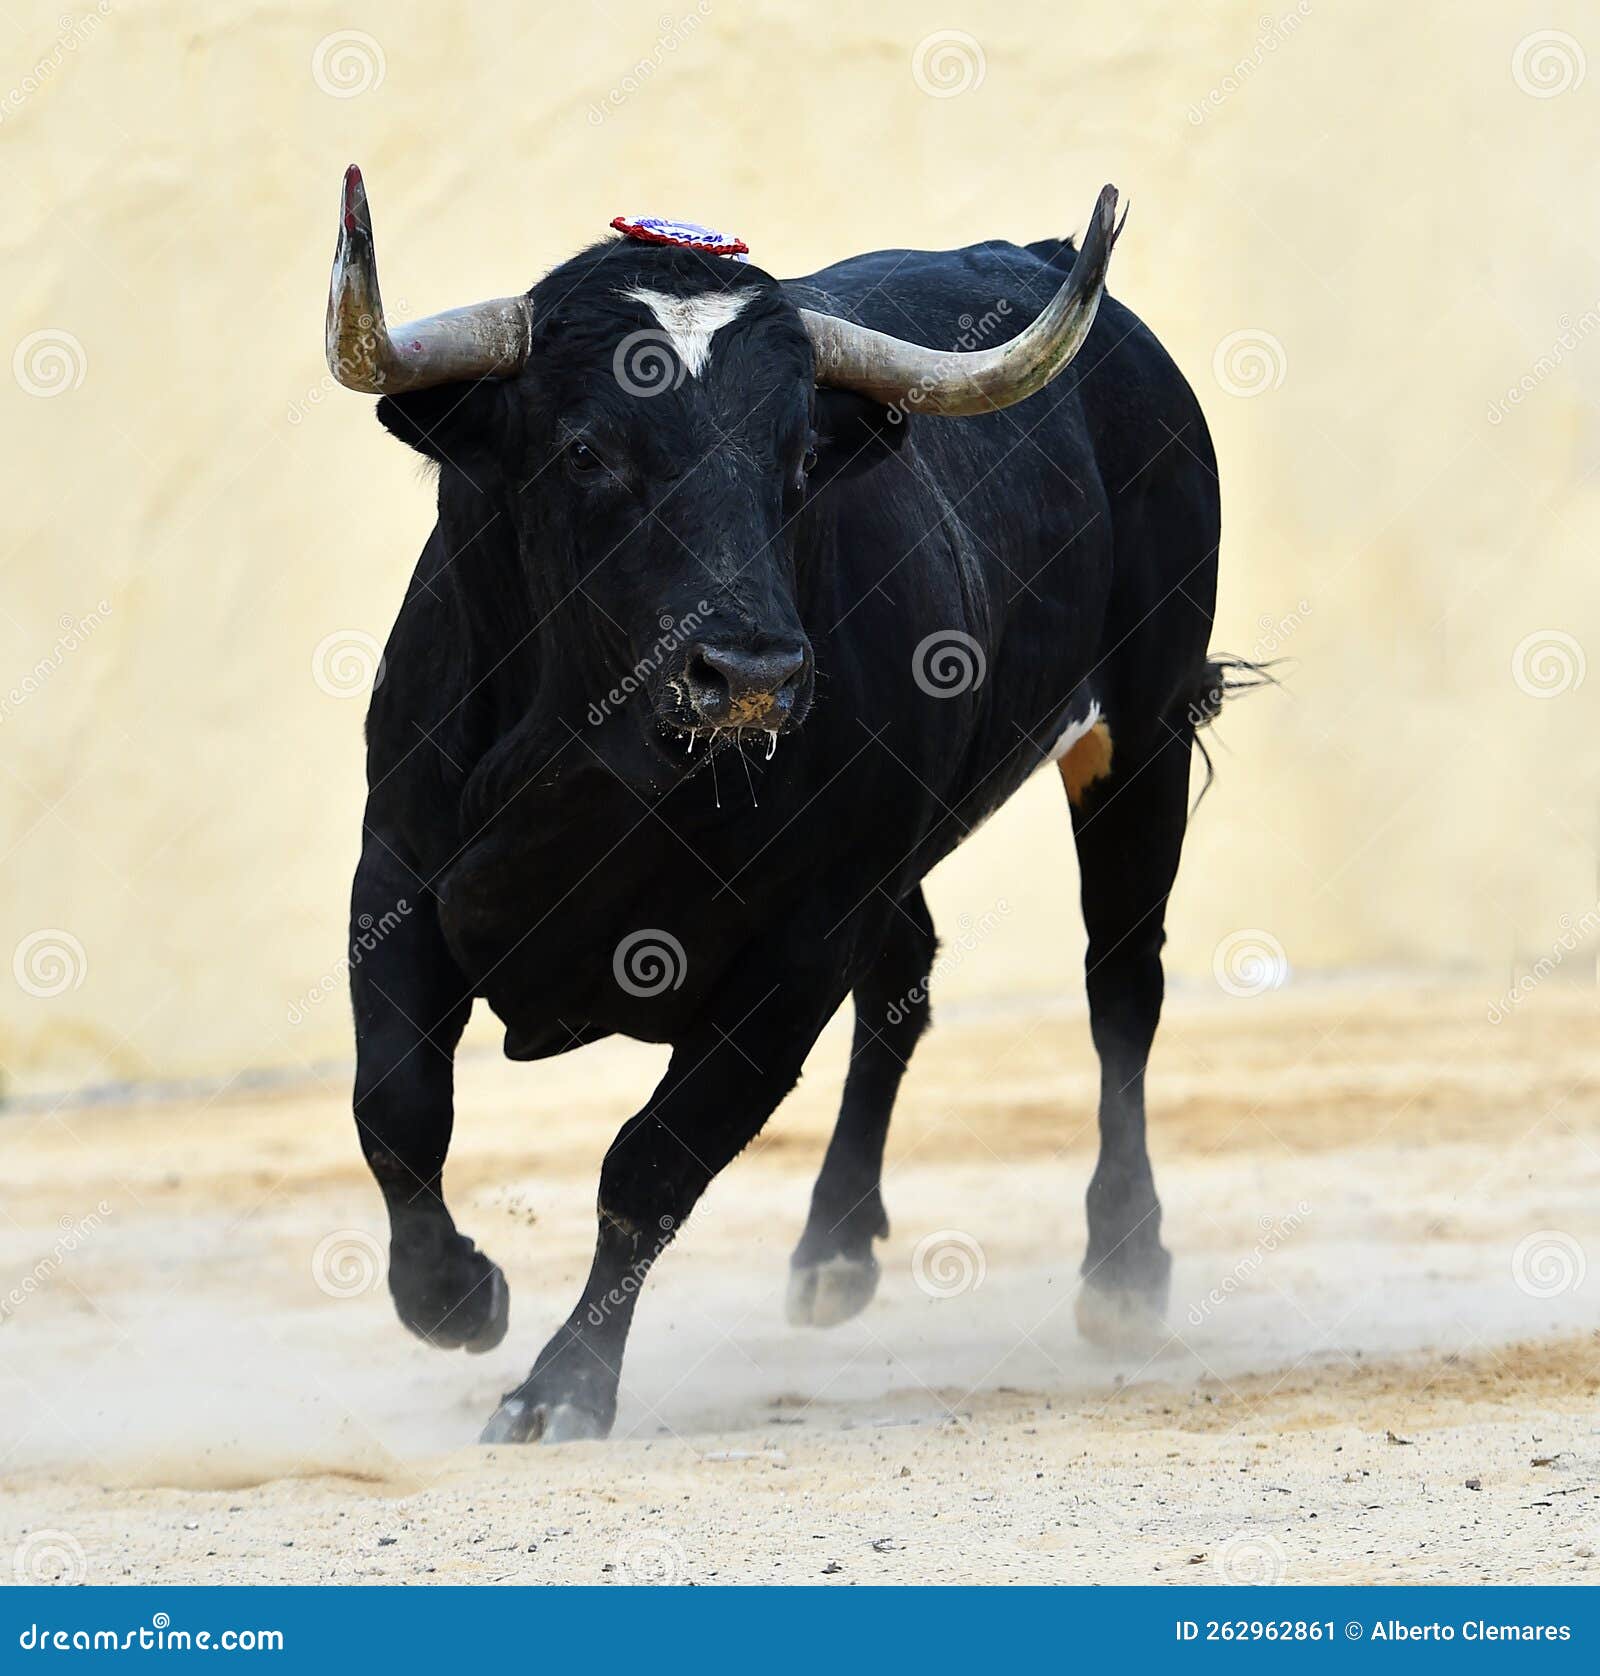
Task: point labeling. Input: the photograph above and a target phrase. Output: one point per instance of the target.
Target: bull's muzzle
(739, 687)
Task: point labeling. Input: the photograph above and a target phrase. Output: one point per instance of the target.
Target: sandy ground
(1384, 1364)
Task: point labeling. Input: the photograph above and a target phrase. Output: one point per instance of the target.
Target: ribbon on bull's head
(686, 235)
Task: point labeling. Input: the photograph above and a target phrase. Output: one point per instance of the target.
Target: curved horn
(952, 383)
(487, 340)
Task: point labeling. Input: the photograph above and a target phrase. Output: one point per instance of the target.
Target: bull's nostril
(741, 686)
(787, 668)
(704, 675)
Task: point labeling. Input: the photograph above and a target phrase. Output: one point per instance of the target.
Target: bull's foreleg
(721, 1085)
(1129, 827)
(833, 1273)
(411, 1005)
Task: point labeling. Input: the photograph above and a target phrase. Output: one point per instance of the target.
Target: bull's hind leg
(833, 1273)
(1128, 814)
(411, 1006)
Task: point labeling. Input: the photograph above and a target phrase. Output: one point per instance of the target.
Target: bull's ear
(452, 424)
(854, 434)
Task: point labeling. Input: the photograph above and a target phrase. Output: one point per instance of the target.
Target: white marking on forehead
(691, 322)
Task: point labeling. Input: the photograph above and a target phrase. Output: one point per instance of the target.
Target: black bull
(700, 672)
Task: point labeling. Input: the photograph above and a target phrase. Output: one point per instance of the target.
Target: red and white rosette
(686, 235)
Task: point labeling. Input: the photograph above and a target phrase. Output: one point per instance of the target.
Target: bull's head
(655, 419)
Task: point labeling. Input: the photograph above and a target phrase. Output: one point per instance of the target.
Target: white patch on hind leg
(1073, 732)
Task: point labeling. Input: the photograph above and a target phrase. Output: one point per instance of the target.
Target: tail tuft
(1224, 676)
(1220, 679)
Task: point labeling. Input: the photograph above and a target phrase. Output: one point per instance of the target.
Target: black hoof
(457, 1300)
(1121, 1320)
(497, 1316)
(1124, 1306)
(527, 1420)
(826, 1293)
(833, 1274)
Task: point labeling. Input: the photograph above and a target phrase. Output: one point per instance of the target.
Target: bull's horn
(487, 340)
(953, 383)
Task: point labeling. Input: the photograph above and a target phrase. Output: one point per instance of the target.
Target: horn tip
(356, 214)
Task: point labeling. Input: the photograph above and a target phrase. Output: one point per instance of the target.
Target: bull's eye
(582, 458)
(808, 462)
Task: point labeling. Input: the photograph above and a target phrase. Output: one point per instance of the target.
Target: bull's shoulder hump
(993, 269)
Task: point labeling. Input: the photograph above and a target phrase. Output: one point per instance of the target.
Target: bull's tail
(1220, 678)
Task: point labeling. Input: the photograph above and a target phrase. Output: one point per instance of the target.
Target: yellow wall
(1396, 205)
